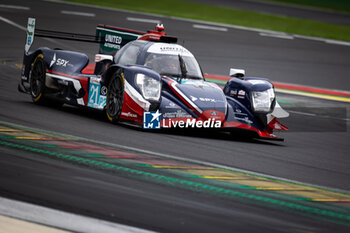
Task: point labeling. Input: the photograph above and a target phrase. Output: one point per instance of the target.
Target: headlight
(150, 87)
(262, 100)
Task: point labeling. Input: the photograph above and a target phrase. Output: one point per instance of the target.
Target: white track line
(12, 23)
(25, 29)
(277, 35)
(154, 21)
(200, 26)
(61, 219)
(337, 42)
(302, 113)
(15, 7)
(319, 116)
(78, 13)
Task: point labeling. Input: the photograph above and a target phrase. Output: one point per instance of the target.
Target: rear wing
(113, 38)
(110, 38)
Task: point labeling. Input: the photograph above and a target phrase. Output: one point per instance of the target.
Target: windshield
(169, 64)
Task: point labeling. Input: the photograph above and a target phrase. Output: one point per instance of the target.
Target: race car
(148, 80)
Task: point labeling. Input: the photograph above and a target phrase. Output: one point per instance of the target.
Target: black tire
(37, 84)
(37, 80)
(115, 97)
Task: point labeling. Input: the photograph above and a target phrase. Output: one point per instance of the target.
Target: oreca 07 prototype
(148, 80)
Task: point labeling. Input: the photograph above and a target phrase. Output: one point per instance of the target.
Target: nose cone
(207, 97)
(213, 115)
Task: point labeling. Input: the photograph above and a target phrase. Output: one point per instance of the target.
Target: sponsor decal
(30, 34)
(241, 94)
(95, 80)
(177, 114)
(191, 123)
(96, 100)
(233, 92)
(129, 114)
(151, 120)
(239, 112)
(61, 62)
(193, 98)
(202, 99)
(104, 90)
(113, 41)
(245, 119)
(53, 60)
(98, 58)
(207, 100)
(171, 49)
(171, 105)
(58, 62)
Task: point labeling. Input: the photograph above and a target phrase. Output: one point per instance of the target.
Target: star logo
(53, 60)
(151, 120)
(156, 115)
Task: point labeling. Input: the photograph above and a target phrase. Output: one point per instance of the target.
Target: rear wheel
(37, 84)
(115, 97)
(37, 80)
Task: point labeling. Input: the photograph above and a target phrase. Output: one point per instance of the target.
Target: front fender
(129, 72)
(237, 112)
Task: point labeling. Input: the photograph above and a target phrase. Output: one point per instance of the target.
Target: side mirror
(103, 57)
(238, 73)
(102, 62)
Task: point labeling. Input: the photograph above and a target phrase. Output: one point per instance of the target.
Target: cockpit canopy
(163, 58)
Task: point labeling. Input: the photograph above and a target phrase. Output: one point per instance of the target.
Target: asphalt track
(315, 151)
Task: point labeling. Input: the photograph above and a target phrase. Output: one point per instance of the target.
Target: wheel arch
(106, 77)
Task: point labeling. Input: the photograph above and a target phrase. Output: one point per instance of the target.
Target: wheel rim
(37, 78)
(115, 97)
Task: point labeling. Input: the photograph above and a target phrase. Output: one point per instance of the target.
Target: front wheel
(115, 97)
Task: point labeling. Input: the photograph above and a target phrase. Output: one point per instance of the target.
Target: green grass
(229, 16)
(336, 5)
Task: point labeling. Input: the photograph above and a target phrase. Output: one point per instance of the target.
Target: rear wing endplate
(30, 34)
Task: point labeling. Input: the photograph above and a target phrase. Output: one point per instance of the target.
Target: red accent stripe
(131, 106)
(292, 87)
(248, 127)
(89, 69)
(150, 37)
